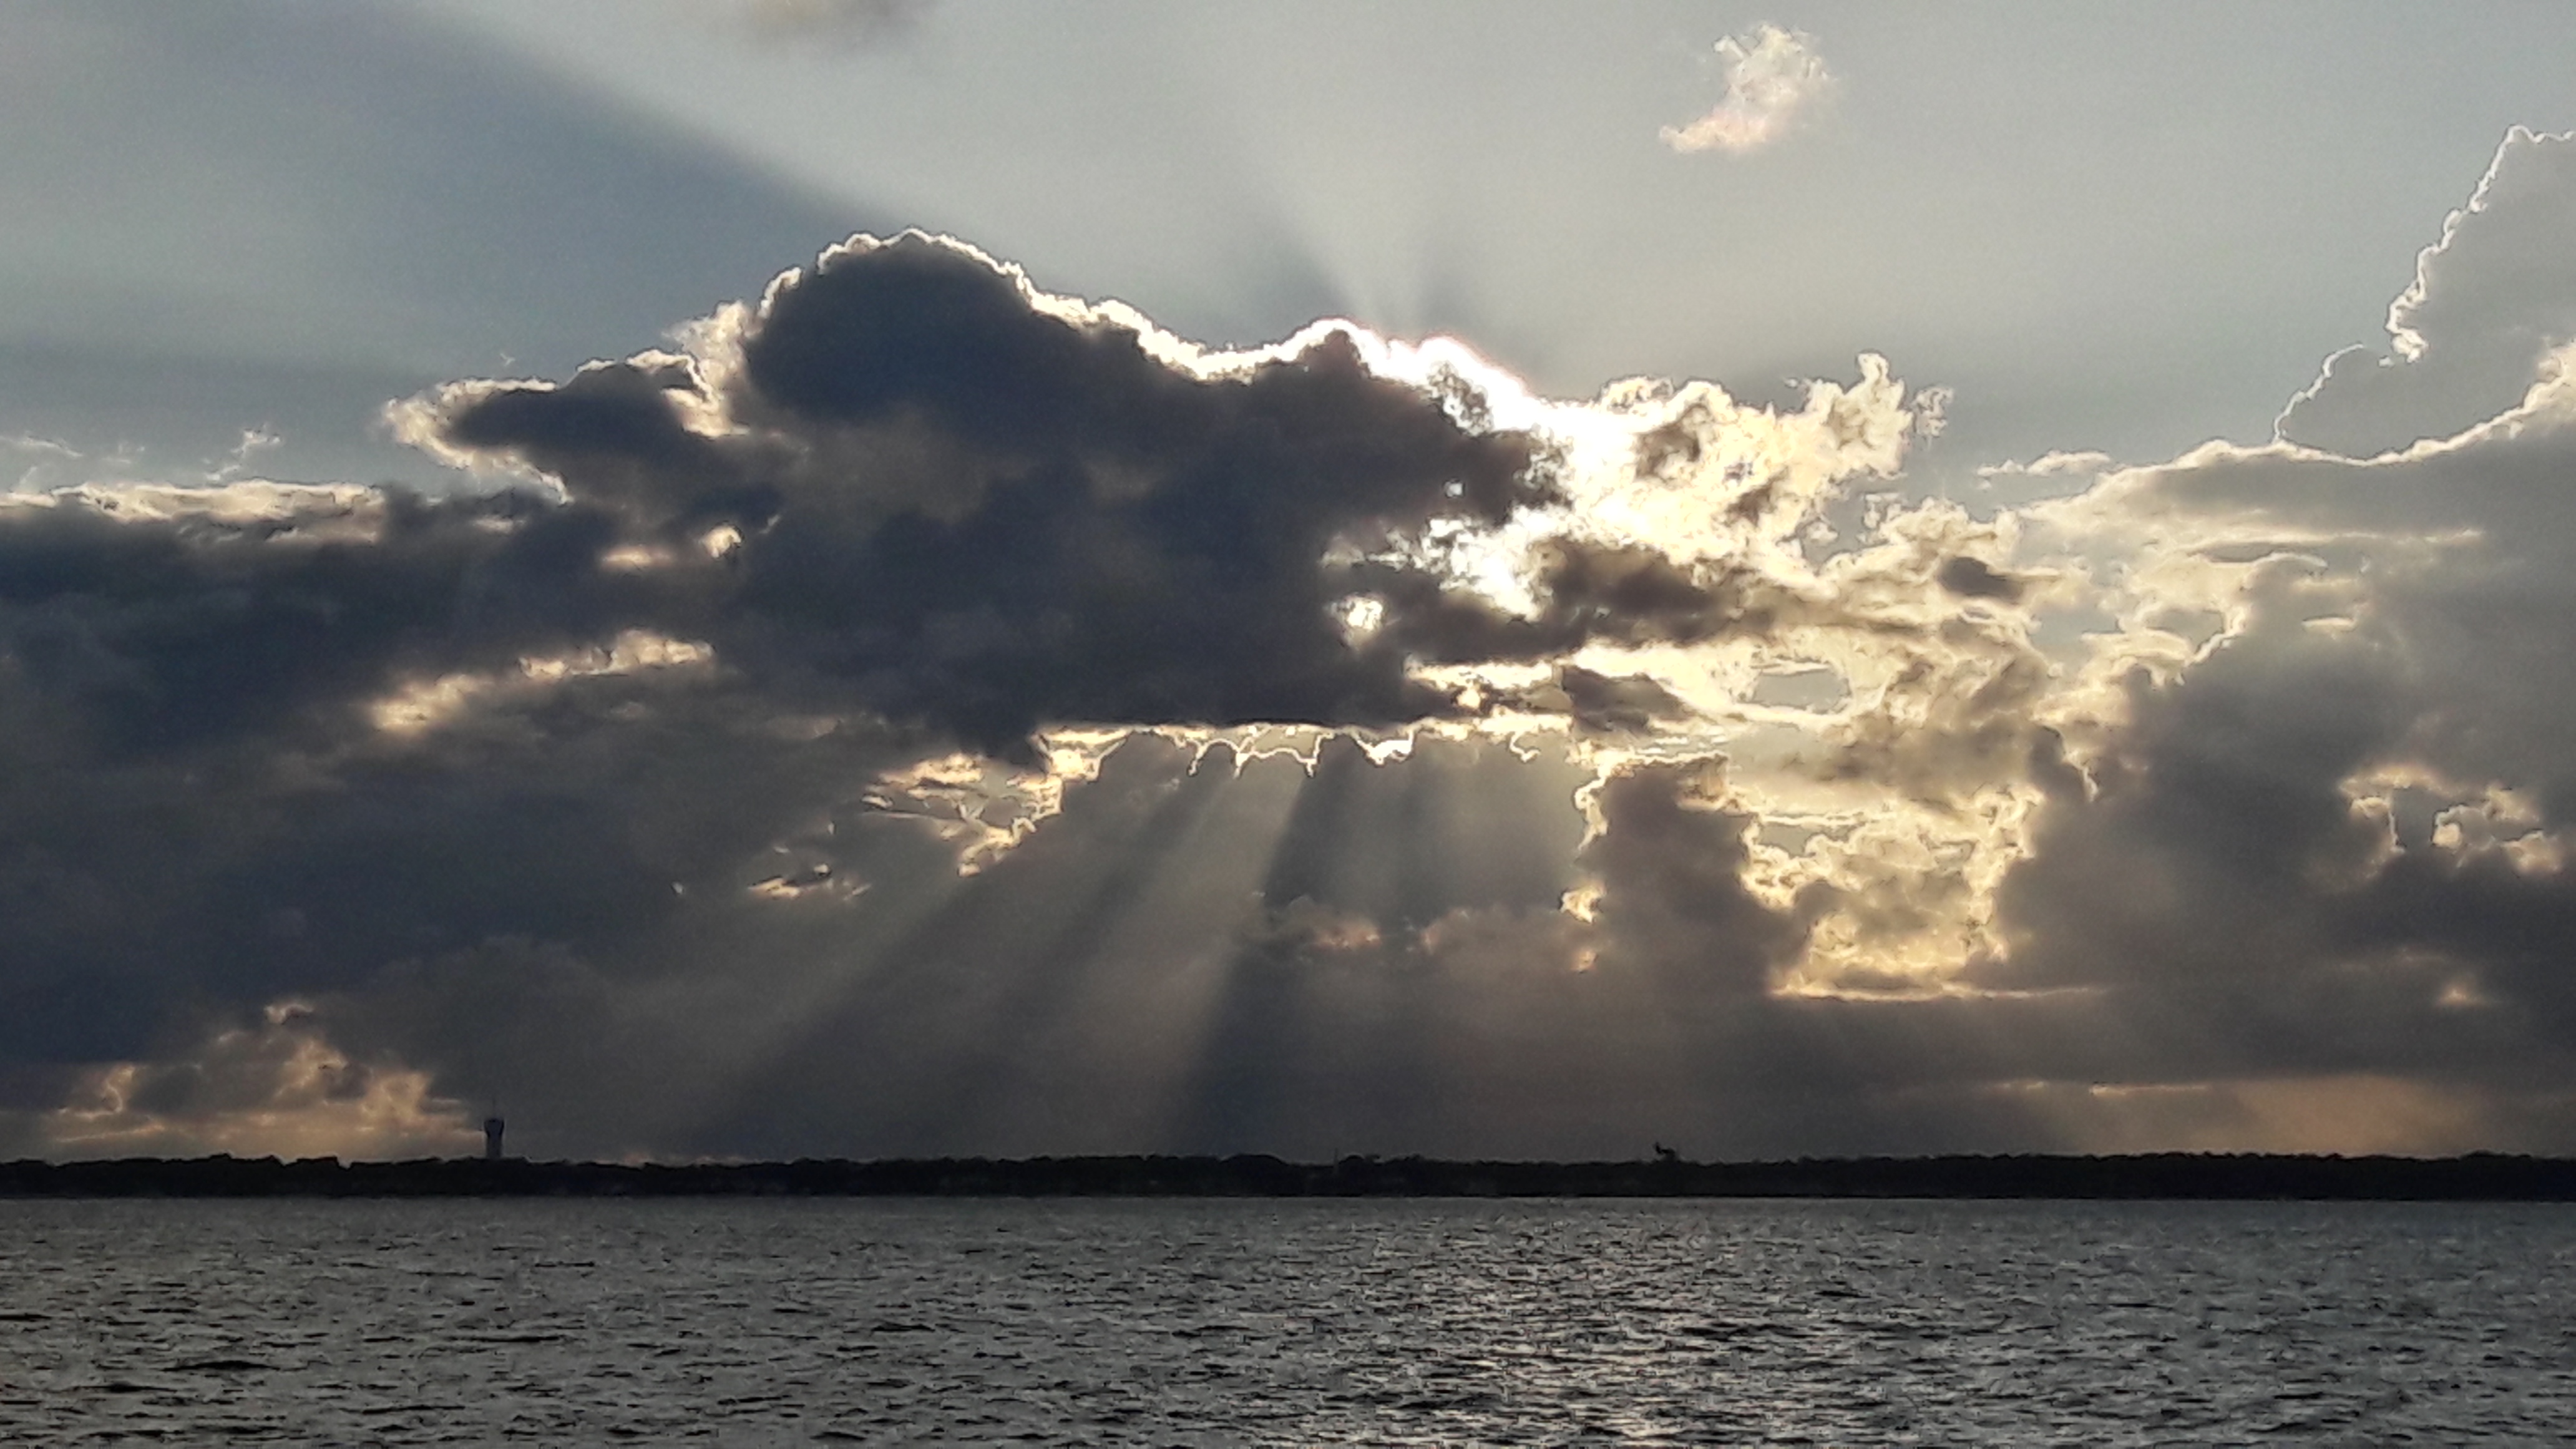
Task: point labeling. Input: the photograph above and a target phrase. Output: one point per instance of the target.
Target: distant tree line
(2479, 1177)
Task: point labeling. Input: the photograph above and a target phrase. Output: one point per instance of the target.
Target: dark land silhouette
(2479, 1177)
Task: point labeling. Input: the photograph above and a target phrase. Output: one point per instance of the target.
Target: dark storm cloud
(2334, 840)
(2323, 849)
(718, 794)
(154, 673)
(548, 760)
(2228, 861)
(158, 632)
(1588, 592)
(203, 809)
(963, 509)
(1671, 861)
(1604, 704)
(1972, 578)
(2217, 825)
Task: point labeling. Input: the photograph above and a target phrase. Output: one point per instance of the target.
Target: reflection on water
(1225, 1323)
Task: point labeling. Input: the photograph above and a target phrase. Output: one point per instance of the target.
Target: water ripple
(1233, 1323)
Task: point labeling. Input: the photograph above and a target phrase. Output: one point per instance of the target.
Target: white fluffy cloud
(1774, 77)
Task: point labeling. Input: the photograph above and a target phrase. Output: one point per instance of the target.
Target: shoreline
(2480, 1177)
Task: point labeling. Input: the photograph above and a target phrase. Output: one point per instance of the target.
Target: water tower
(492, 1137)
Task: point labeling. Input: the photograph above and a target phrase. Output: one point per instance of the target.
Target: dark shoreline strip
(2479, 1177)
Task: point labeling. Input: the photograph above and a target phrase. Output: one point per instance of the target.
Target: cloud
(954, 504)
(38, 463)
(274, 1088)
(1774, 77)
(958, 502)
(881, 613)
(2330, 835)
(919, 712)
(2490, 300)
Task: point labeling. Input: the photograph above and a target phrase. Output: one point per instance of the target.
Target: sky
(902, 577)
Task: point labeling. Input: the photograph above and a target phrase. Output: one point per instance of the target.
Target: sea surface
(584, 1322)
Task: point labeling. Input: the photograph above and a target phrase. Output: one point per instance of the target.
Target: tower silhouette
(492, 1126)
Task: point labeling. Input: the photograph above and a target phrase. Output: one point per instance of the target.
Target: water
(1231, 1323)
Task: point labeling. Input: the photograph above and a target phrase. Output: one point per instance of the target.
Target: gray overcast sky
(2126, 228)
